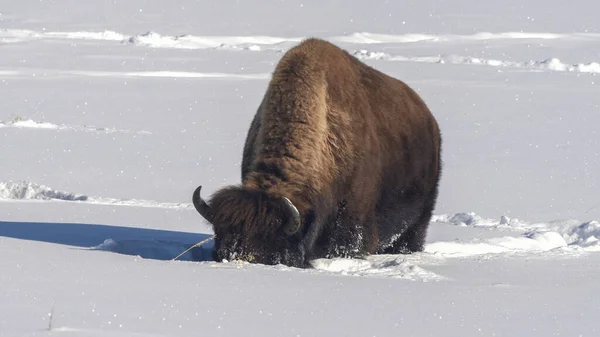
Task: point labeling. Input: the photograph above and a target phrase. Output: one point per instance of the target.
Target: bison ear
(292, 226)
(201, 205)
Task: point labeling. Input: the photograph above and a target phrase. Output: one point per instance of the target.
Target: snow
(20, 123)
(113, 112)
(549, 64)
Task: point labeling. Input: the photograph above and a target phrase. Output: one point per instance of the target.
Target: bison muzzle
(340, 160)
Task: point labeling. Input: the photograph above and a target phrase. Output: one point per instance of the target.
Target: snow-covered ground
(112, 112)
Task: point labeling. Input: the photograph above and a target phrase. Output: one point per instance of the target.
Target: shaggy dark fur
(356, 152)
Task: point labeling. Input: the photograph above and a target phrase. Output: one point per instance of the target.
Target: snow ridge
(154, 39)
(552, 64)
(114, 74)
(173, 74)
(23, 190)
(370, 38)
(31, 124)
(252, 43)
(280, 44)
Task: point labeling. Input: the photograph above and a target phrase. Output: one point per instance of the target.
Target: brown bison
(340, 160)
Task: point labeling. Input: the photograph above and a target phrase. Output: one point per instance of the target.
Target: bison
(340, 160)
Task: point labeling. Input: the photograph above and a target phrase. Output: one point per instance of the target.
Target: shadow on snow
(147, 243)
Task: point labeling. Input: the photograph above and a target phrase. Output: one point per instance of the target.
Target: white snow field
(113, 112)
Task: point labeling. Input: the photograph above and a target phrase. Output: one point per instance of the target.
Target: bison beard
(340, 160)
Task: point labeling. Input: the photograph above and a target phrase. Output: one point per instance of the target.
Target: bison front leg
(349, 235)
(413, 239)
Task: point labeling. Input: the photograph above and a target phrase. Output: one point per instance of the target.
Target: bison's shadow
(146, 243)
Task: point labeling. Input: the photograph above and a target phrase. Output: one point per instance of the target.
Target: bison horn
(294, 223)
(201, 205)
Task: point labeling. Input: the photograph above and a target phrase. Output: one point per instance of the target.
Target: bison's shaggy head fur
(253, 225)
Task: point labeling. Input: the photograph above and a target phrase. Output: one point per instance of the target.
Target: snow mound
(23, 190)
(376, 265)
(552, 64)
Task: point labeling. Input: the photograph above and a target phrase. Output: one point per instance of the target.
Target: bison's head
(254, 226)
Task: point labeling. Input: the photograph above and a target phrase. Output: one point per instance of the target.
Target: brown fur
(356, 151)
